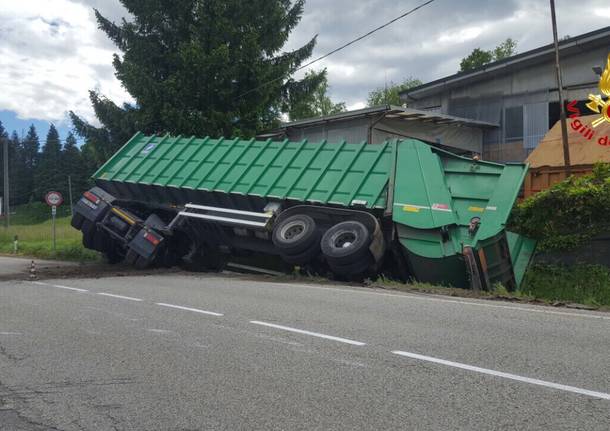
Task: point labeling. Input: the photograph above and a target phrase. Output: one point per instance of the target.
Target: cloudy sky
(51, 52)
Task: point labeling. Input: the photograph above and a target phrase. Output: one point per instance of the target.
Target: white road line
(196, 310)
(504, 375)
(451, 301)
(119, 296)
(313, 334)
(76, 289)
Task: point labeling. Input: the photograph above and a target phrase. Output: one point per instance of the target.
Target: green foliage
(317, 103)
(479, 57)
(48, 174)
(390, 95)
(36, 240)
(200, 68)
(584, 284)
(568, 214)
(36, 212)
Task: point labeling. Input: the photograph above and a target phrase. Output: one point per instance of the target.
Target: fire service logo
(597, 104)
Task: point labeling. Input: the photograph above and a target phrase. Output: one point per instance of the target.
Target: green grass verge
(582, 283)
(36, 240)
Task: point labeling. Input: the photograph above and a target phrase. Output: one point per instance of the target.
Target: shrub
(569, 213)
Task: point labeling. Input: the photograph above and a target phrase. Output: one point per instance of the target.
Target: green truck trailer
(403, 208)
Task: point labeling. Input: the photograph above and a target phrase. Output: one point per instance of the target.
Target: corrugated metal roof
(388, 111)
(490, 70)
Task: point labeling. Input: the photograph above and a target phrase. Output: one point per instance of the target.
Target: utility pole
(70, 193)
(6, 188)
(562, 108)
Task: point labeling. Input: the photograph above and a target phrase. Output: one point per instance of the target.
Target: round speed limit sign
(53, 199)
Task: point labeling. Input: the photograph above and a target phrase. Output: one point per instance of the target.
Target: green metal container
(321, 173)
(433, 196)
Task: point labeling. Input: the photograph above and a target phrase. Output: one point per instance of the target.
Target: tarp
(584, 142)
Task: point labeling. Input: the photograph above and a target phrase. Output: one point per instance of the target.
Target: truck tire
(295, 235)
(89, 230)
(302, 258)
(112, 256)
(345, 243)
(353, 269)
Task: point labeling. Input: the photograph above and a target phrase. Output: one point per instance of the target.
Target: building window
(513, 121)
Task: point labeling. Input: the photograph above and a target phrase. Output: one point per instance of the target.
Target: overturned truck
(404, 209)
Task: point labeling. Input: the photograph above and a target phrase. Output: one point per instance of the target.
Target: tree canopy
(479, 57)
(390, 94)
(317, 103)
(213, 67)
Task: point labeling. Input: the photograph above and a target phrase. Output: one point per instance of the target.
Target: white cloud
(52, 53)
(51, 57)
(457, 36)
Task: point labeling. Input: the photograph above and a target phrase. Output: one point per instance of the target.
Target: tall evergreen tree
(317, 104)
(72, 164)
(19, 179)
(3, 141)
(30, 147)
(200, 67)
(48, 174)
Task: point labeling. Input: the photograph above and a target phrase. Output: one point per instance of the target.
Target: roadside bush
(569, 213)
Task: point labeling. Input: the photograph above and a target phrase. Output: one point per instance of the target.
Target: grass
(581, 283)
(35, 236)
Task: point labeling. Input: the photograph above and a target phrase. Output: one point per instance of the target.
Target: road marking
(451, 301)
(59, 286)
(129, 298)
(196, 310)
(313, 334)
(76, 289)
(504, 375)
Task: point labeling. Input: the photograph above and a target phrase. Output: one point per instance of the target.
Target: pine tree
(212, 67)
(317, 104)
(48, 174)
(19, 178)
(72, 164)
(3, 141)
(30, 147)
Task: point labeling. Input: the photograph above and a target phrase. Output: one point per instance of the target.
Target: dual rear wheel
(345, 246)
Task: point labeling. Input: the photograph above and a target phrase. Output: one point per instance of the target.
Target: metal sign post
(53, 214)
(53, 199)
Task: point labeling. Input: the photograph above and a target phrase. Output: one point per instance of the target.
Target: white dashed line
(76, 289)
(313, 334)
(195, 310)
(129, 298)
(504, 375)
(59, 286)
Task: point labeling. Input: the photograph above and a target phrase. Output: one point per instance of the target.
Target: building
(378, 124)
(518, 93)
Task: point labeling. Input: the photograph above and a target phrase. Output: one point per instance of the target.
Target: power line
(353, 41)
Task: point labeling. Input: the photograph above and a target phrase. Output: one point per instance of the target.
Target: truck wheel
(89, 230)
(346, 242)
(112, 256)
(353, 269)
(302, 258)
(295, 235)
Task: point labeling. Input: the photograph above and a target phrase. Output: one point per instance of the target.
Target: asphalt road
(176, 352)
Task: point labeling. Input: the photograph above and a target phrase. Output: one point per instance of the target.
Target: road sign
(53, 199)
